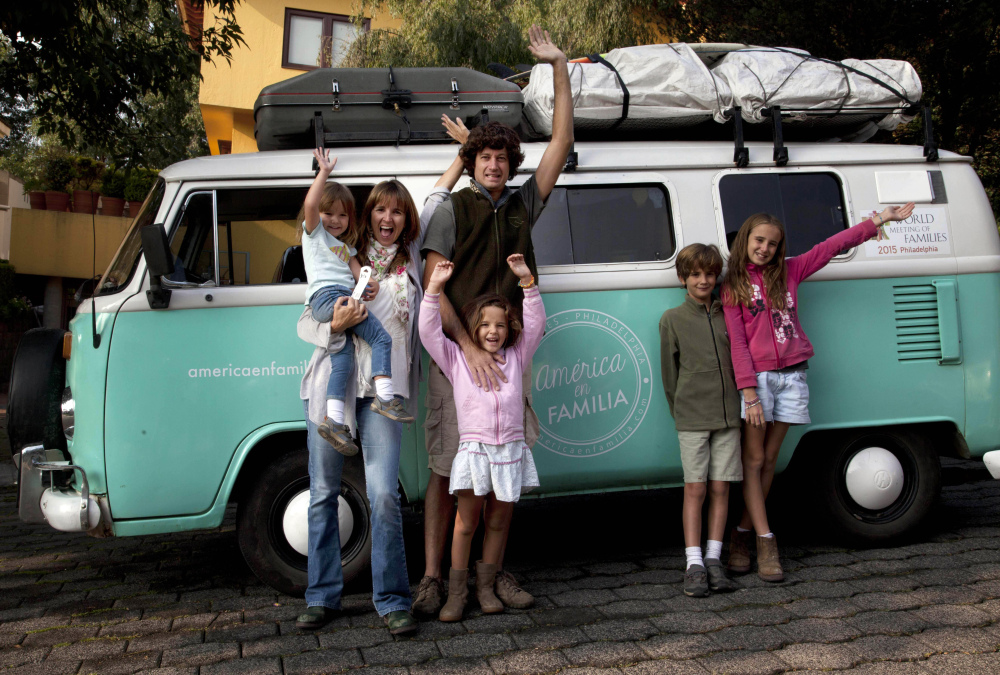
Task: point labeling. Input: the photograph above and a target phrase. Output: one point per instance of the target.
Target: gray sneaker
(339, 436)
(696, 582)
(393, 409)
(717, 579)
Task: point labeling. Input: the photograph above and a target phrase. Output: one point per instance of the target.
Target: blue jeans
(380, 439)
(370, 330)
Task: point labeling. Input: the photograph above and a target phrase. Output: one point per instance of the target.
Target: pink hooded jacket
(491, 417)
(768, 339)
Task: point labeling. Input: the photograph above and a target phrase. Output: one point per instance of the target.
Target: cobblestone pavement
(609, 599)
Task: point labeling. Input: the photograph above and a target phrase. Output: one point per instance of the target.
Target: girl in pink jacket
(493, 464)
(770, 349)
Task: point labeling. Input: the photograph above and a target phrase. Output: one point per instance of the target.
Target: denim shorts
(784, 395)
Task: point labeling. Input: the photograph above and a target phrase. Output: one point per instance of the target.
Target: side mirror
(160, 262)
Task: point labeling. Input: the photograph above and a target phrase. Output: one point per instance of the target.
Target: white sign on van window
(925, 232)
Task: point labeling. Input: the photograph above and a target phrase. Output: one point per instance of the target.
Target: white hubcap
(296, 522)
(874, 478)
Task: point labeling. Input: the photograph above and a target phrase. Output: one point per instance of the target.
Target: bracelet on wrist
(529, 283)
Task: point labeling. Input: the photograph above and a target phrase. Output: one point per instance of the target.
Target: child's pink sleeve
(746, 376)
(804, 266)
(437, 344)
(533, 312)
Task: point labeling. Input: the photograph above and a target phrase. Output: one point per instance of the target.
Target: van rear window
(604, 224)
(810, 205)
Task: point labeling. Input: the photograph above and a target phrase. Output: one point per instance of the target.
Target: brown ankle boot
(458, 591)
(768, 565)
(739, 551)
(485, 576)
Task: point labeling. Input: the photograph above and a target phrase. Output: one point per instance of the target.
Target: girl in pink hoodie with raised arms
(770, 350)
(493, 464)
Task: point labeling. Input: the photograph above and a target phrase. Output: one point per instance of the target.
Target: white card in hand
(363, 277)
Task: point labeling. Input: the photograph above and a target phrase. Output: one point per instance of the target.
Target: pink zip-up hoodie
(763, 338)
(491, 417)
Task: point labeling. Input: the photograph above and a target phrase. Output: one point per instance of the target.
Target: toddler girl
(770, 349)
(332, 271)
(493, 462)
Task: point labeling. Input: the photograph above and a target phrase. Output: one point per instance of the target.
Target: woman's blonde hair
(737, 290)
(387, 192)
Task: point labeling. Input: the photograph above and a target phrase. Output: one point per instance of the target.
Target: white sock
(383, 388)
(713, 551)
(335, 410)
(768, 535)
(740, 529)
(693, 554)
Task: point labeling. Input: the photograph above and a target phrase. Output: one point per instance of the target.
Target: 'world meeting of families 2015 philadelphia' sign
(592, 383)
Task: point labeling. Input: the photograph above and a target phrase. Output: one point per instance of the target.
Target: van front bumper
(65, 509)
(992, 461)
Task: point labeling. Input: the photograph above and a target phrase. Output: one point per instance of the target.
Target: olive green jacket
(697, 367)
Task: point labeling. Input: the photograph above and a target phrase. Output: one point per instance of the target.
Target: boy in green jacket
(700, 386)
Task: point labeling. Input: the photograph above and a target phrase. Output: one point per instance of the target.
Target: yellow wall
(228, 91)
(59, 243)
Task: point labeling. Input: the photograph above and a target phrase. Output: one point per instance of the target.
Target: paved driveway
(606, 571)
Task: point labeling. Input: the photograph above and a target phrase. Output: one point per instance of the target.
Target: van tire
(37, 381)
(921, 469)
(259, 522)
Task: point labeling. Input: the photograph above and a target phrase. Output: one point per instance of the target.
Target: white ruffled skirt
(507, 470)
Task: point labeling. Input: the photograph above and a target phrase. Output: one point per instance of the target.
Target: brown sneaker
(393, 409)
(739, 551)
(510, 594)
(429, 597)
(768, 564)
(339, 436)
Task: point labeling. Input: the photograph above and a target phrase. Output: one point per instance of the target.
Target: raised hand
(541, 46)
(897, 212)
(323, 160)
(518, 266)
(439, 277)
(457, 129)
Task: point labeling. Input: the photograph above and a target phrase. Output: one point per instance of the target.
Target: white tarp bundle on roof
(761, 77)
(664, 82)
(672, 83)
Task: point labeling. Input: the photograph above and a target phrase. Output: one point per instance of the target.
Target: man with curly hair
(476, 230)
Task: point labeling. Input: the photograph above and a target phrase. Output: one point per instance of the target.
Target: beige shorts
(714, 455)
(441, 423)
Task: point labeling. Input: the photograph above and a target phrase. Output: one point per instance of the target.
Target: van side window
(810, 205)
(252, 235)
(604, 224)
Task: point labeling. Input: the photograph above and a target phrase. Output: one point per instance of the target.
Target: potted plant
(113, 192)
(27, 168)
(88, 172)
(137, 186)
(58, 172)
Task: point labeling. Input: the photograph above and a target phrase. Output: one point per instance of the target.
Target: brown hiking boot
(485, 578)
(458, 592)
(768, 565)
(739, 551)
(429, 597)
(510, 594)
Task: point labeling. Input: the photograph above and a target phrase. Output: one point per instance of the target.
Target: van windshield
(122, 268)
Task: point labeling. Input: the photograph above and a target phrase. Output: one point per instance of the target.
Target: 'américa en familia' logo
(592, 383)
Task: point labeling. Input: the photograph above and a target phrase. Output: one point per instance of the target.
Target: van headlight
(68, 409)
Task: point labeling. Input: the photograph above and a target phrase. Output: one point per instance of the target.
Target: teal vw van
(175, 395)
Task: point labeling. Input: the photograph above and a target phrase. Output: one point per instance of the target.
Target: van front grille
(918, 337)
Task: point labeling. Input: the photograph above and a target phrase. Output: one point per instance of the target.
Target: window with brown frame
(316, 39)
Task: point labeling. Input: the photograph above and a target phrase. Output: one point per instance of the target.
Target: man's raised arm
(554, 158)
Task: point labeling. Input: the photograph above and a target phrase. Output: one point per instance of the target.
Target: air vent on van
(918, 336)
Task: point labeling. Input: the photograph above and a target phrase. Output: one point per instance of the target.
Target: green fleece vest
(483, 240)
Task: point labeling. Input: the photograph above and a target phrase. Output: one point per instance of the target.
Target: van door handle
(948, 326)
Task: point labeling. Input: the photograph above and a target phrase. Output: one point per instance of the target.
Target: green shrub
(138, 184)
(88, 172)
(113, 183)
(58, 172)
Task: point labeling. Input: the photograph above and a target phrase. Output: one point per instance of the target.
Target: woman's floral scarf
(392, 281)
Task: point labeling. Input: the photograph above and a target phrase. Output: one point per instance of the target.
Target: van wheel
(37, 380)
(271, 522)
(882, 483)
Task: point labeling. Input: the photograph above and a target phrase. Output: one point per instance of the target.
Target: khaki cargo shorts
(714, 455)
(441, 423)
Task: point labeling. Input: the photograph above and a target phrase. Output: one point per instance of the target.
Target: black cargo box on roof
(342, 106)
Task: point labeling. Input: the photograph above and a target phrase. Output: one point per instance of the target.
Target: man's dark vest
(483, 240)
